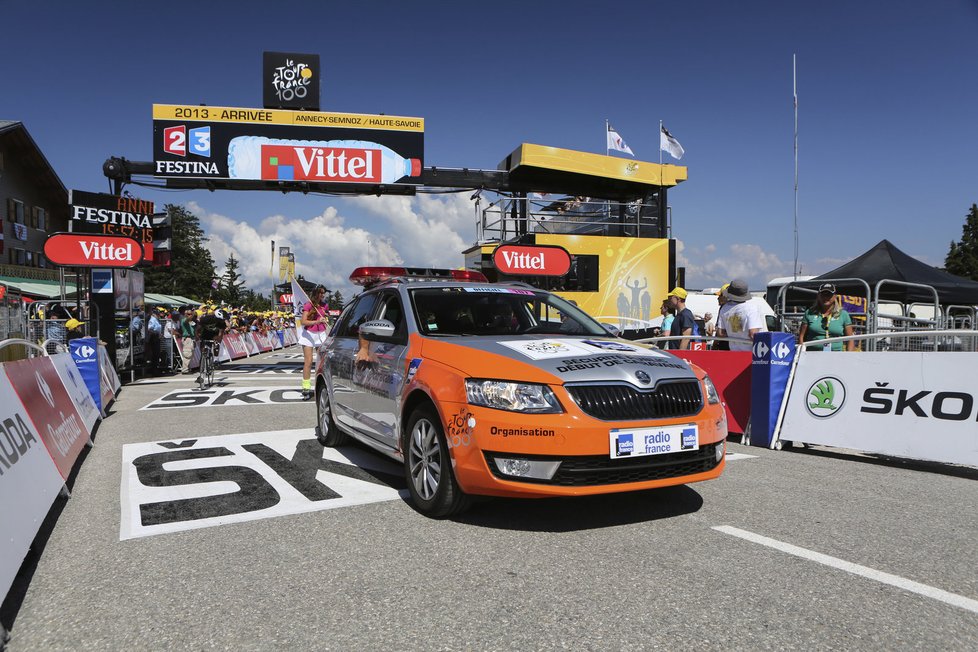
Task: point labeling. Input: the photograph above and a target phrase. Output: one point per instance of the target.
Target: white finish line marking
(863, 571)
(738, 456)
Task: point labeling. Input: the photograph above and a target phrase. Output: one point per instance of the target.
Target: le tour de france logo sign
(290, 80)
(92, 250)
(518, 260)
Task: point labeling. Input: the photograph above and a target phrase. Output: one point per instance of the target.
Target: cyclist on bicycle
(210, 331)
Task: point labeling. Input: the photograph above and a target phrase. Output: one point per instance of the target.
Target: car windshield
(488, 310)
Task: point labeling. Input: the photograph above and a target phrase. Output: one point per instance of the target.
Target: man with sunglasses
(824, 319)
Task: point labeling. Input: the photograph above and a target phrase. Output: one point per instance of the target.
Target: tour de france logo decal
(546, 347)
(825, 397)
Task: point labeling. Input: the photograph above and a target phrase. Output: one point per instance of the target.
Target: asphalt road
(817, 549)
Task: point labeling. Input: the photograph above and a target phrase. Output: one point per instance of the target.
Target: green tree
(962, 259)
(191, 264)
(232, 287)
(336, 301)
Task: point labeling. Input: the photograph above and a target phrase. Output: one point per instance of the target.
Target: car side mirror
(613, 330)
(378, 330)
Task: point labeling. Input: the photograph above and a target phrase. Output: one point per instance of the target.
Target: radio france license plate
(639, 442)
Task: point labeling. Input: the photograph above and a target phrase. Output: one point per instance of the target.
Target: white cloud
(424, 230)
(711, 267)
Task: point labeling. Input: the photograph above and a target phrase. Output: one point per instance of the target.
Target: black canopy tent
(886, 262)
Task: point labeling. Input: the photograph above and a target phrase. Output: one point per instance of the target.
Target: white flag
(669, 144)
(616, 143)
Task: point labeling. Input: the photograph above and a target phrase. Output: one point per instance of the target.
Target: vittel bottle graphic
(346, 161)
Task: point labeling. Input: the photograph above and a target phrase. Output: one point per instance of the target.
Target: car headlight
(515, 397)
(712, 396)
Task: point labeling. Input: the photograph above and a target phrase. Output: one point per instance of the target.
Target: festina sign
(92, 250)
(95, 212)
(518, 260)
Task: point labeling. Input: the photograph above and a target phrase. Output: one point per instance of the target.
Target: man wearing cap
(824, 319)
(684, 323)
(742, 320)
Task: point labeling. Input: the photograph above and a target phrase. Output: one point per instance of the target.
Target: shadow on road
(584, 512)
(925, 466)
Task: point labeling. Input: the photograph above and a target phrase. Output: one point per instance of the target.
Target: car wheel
(326, 431)
(428, 467)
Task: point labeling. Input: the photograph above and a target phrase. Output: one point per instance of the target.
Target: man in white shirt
(742, 319)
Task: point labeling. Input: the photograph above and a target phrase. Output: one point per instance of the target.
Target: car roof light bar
(370, 276)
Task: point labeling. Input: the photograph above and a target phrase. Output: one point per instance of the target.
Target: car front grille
(595, 470)
(626, 403)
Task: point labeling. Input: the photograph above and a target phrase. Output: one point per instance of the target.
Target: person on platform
(826, 318)
(315, 322)
(684, 324)
(742, 320)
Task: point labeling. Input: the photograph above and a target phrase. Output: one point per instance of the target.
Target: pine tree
(232, 287)
(336, 301)
(962, 259)
(191, 264)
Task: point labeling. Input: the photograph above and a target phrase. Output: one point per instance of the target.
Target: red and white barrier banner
(29, 483)
(276, 340)
(730, 373)
(251, 343)
(290, 337)
(234, 345)
(261, 339)
(50, 409)
(75, 386)
(111, 384)
(920, 405)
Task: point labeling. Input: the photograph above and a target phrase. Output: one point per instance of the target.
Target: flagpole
(271, 274)
(794, 76)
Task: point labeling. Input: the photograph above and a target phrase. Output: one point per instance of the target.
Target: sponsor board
(50, 409)
(639, 442)
(29, 483)
(73, 382)
(522, 260)
(186, 484)
(234, 397)
(920, 405)
(96, 212)
(279, 145)
(290, 80)
(83, 250)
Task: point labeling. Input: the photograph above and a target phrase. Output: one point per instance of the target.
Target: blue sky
(888, 99)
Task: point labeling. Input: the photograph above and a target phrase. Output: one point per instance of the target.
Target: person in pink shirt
(315, 322)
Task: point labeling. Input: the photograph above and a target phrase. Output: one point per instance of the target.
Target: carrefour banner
(920, 405)
(771, 358)
(213, 142)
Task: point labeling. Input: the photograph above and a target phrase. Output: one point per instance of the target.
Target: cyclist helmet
(219, 313)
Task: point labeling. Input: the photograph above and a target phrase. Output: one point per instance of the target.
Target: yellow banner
(633, 276)
(192, 113)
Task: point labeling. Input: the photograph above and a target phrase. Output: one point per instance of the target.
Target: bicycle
(205, 377)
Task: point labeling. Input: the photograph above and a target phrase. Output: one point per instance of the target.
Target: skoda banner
(771, 360)
(920, 405)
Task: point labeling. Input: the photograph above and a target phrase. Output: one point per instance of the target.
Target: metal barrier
(707, 341)
(948, 340)
(33, 349)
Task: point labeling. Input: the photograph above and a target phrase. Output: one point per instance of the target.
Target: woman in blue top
(824, 319)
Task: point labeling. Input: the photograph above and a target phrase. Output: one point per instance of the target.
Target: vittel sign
(519, 260)
(90, 250)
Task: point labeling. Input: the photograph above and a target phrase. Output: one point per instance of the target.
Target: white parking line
(863, 571)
